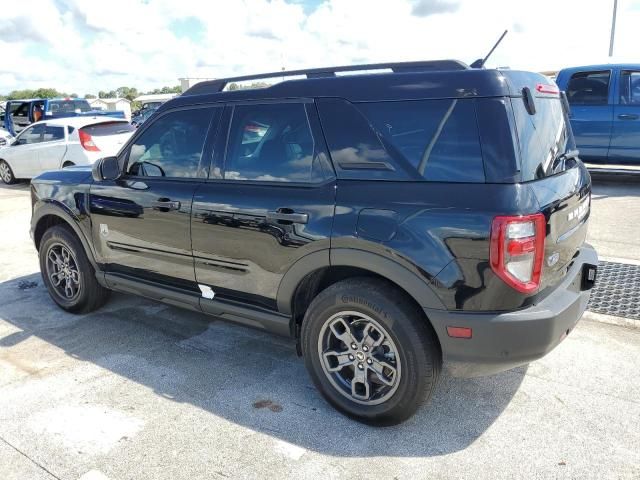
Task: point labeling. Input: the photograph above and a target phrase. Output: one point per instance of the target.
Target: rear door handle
(288, 215)
(628, 116)
(165, 205)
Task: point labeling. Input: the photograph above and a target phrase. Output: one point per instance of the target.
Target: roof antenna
(479, 63)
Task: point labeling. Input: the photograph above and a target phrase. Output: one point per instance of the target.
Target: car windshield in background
(68, 106)
(108, 128)
(543, 137)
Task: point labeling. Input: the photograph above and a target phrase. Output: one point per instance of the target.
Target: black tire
(88, 294)
(6, 174)
(418, 351)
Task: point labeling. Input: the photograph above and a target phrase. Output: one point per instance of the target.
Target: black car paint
(432, 239)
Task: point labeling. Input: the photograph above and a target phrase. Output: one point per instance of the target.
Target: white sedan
(58, 143)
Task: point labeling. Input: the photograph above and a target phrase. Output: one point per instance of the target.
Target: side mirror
(106, 168)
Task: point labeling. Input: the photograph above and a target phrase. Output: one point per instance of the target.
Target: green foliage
(39, 93)
(157, 91)
(123, 92)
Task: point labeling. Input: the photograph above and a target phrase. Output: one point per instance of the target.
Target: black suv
(414, 216)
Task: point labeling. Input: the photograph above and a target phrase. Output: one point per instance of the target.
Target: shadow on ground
(244, 376)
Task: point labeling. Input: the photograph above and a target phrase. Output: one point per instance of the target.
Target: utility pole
(613, 27)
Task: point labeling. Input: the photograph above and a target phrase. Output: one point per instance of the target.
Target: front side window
(589, 88)
(31, 135)
(172, 146)
(53, 133)
(630, 88)
(270, 142)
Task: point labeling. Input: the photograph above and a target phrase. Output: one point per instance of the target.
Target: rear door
(52, 148)
(590, 95)
(625, 139)
(141, 222)
(268, 202)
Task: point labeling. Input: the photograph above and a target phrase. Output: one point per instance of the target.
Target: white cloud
(85, 46)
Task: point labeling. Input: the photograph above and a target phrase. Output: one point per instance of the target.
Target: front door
(591, 114)
(141, 222)
(270, 205)
(22, 155)
(625, 139)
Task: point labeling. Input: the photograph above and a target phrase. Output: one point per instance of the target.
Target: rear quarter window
(542, 137)
(433, 140)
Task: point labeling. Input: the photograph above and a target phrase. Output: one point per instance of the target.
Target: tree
(74, 95)
(89, 95)
(127, 92)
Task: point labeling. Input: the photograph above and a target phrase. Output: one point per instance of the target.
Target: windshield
(68, 106)
(544, 138)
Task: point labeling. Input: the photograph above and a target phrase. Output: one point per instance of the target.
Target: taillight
(517, 250)
(87, 141)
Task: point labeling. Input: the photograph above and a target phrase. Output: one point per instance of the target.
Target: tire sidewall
(412, 354)
(62, 235)
(13, 177)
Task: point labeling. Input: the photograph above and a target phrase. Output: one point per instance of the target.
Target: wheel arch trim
(388, 268)
(57, 209)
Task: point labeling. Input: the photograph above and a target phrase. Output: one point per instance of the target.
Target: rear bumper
(505, 340)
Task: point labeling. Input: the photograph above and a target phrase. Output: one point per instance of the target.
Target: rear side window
(271, 142)
(436, 140)
(542, 137)
(630, 88)
(53, 133)
(68, 106)
(589, 88)
(172, 146)
(108, 128)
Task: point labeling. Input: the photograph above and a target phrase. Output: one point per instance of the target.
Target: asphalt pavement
(142, 390)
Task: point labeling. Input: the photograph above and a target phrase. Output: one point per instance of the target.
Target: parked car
(5, 138)
(392, 223)
(53, 144)
(142, 116)
(21, 113)
(605, 111)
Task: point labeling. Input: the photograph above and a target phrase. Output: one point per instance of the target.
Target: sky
(85, 46)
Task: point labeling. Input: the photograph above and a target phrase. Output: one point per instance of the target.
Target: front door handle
(288, 215)
(165, 205)
(628, 116)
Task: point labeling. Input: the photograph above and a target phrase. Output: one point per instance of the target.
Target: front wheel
(370, 351)
(67, 272)
(6, 174)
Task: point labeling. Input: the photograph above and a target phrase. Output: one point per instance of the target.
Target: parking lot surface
(143, 390)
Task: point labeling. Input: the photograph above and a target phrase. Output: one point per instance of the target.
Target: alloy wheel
(62, 271)
(5, 172)
(359, 357)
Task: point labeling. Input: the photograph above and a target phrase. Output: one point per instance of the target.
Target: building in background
(112, 105)
(186, 83)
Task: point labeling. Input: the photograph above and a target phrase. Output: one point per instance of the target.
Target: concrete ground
(142, 390)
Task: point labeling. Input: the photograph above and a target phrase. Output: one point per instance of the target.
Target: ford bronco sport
(415, 216)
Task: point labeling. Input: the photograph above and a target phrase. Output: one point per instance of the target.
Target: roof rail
(214, 86)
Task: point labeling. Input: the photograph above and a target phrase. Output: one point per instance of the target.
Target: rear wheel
(370, 351)
(6, 174)
(67, 272)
